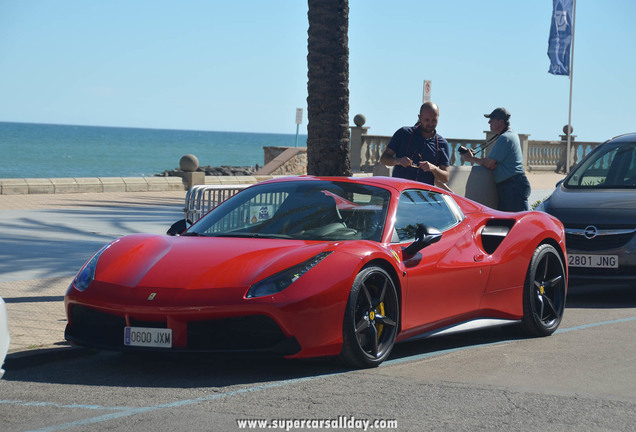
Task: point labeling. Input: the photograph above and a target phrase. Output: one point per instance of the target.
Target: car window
(426, 208)
(319, 210)
(613, 167)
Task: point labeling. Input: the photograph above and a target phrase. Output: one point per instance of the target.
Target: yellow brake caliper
(380, 310)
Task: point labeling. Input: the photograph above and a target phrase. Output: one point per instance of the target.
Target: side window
(614, 168)
(625, 168)
(426, 208)
(595, 174)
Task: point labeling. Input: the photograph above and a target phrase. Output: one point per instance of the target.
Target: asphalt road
(581, 378)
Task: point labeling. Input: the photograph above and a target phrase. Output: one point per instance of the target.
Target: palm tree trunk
(328, 88)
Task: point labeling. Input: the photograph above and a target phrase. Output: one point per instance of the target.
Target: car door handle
(478, 257)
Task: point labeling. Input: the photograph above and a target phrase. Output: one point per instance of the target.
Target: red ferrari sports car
(310, 266)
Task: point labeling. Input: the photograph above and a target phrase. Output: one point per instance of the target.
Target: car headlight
(281, 280)
(87, 274)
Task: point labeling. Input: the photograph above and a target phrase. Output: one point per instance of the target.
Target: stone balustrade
(537, 155)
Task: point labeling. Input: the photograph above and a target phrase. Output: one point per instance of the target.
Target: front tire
(371, 319)
(544, 292)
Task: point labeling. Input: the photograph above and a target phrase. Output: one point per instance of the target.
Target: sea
(30, 150)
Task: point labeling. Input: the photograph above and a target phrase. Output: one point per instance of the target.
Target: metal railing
(200, 199)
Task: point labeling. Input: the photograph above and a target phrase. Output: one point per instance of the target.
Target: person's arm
(441, 173)
(388, 158)
(491, 164)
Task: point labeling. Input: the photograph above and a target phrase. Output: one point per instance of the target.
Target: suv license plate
(148, 337)
(593, 261)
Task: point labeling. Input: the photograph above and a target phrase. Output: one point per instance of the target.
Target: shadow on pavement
(56, 242)
(601, 297)
(194, 370)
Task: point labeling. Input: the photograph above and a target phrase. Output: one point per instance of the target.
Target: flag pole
(567, 153)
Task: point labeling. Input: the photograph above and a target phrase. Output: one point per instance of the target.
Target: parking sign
(427, 91)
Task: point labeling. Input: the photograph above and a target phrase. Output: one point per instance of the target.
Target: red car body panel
(181, 280)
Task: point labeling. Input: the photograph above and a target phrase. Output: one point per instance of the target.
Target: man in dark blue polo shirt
(419, 152)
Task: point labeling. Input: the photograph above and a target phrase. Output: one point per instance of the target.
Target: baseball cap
(499, 113)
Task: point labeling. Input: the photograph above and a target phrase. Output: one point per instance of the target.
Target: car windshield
(307, 210)
(610, 168)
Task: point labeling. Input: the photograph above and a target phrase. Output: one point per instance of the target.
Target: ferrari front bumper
(247, 334)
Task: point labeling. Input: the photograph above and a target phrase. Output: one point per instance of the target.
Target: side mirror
(179, 227)
(424, 236)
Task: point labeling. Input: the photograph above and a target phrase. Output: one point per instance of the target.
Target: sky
(219, 65)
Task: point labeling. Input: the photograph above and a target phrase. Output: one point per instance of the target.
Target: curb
(71, 185)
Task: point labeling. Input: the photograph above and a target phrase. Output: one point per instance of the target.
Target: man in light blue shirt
(506, 161)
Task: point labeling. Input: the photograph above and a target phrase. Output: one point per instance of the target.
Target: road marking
(56, 405)
(128, 411)
(587, 326)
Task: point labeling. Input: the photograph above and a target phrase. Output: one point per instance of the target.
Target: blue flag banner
(560, 37)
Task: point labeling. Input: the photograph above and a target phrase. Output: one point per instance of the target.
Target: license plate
(148, 337)
(593, 261)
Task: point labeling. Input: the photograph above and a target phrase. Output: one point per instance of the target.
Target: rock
(228, 170)
(214, 171)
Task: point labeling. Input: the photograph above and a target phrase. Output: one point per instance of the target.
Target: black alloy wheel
(544, 292)
(371, 319)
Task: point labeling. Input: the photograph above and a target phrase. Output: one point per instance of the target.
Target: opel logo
(590, 232)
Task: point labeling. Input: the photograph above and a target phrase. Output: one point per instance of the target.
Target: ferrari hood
(198, 262)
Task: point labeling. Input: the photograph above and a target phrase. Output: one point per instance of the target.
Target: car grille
(607, 238)
(255, 333)
(577, 242)
(91, 325)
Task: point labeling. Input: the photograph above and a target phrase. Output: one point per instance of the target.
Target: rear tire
(544, 292)
(371, 319)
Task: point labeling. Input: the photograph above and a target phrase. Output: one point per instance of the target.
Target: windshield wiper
(251, 235)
